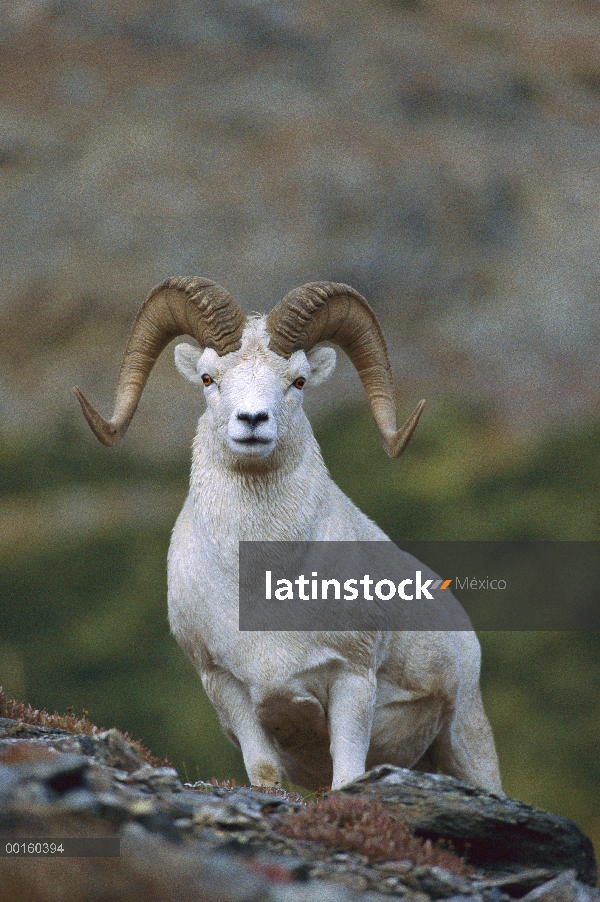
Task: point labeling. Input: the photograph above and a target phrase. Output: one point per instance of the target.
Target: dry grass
(24, 713)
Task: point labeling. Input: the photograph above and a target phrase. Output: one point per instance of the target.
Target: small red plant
(364, 826)
(224, 784)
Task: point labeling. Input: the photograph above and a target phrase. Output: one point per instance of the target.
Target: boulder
(496, 833)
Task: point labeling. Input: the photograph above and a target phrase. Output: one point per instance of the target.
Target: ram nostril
(253, 419)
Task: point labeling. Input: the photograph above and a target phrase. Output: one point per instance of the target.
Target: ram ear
(322, 362)
(186, 360)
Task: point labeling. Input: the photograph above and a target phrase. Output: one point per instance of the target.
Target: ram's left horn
(331, 311)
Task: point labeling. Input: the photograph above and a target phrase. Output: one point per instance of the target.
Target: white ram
(315, 707)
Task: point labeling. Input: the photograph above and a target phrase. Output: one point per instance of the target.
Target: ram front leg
(260, 757)
(350, 716)
(240, 722)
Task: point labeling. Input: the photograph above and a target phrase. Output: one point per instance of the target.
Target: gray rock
(13, 729)
(564, 888)
(112, 748)
(437, 882)
(67, 773)
(502, 834)
(322, 892)
(158, 779)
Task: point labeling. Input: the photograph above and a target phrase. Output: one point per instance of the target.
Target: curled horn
(196, 307)
(330, 311)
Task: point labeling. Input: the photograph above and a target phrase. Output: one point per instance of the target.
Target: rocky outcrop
(215, 844)
(499, 833)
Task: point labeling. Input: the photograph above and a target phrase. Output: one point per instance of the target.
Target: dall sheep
(315, 707)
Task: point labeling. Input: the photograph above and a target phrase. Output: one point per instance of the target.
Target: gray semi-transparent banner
(71, 847)
(422, 586)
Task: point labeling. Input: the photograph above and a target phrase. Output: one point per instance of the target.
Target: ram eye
(208, 380)
(300, 382)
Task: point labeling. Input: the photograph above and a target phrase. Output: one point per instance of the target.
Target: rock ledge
(208, 843)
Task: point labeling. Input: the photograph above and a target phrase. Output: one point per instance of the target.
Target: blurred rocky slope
(442, 157)
(206, 842)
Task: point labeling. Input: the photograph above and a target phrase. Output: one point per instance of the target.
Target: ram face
(254, 396)
(254, 370)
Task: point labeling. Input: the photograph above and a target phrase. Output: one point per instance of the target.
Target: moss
(365, 827)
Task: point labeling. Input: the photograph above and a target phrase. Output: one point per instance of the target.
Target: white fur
(317, 708)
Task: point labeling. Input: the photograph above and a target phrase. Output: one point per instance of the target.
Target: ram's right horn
(196, 307)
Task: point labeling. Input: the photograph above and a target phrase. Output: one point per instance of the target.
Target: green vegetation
(465, 478)
(84, 620)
